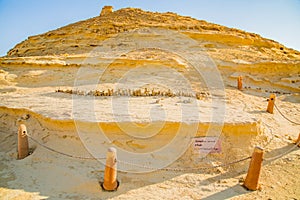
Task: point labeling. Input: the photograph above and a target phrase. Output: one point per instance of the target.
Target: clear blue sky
(275, 19)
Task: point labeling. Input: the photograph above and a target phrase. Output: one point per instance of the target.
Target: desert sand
(153, 134)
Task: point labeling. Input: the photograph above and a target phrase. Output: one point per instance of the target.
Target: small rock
(25, 117)
(259, 188)
(187, 101)
(288, 159)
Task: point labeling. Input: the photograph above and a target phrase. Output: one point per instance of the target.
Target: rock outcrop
(106, 10)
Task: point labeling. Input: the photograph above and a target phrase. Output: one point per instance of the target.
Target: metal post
(251, 181)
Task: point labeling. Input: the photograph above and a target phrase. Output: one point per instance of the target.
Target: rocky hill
(221, 42)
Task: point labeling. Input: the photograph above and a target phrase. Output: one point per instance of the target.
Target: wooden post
(271, 102)
(251, 181)
(23, 149)
(110, 174)
(240, 83)
(298, 140)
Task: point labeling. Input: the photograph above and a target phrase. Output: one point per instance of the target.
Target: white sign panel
(207, 145)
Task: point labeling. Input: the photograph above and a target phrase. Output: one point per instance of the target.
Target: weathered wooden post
(23, 149)
(298, 140)
(271, 102)
(110, 182)
(252, 178)
(240, 82)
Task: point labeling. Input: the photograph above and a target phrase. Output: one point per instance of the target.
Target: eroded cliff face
(220, 42)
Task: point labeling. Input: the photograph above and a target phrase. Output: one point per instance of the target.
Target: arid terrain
(148, 84)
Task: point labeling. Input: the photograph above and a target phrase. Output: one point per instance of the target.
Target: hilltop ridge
(219, 41)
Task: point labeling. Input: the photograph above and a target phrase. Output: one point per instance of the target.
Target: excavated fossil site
(154, 86)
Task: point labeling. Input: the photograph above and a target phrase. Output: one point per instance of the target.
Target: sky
(275, 19)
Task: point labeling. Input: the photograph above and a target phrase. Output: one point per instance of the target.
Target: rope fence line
(282, 154)
(166, 168)
(176, 169)
(293, 122)
(133, 164)
(111, 183)
(137, 165)
(184, 169)
(62, 153)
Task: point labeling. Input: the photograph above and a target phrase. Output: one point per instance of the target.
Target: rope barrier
(198, 168)
(213, 167)
(136, 165)
(167, 168)
(185, 169)
(281, 155)
(62, 153)
(285, 116)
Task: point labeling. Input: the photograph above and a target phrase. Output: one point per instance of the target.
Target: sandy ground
(28, 96)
